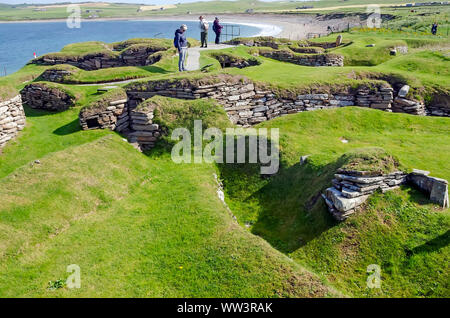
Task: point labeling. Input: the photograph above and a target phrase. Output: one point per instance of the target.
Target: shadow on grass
(433, 245)
(68, 129)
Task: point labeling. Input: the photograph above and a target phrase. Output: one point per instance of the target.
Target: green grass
(140, 225)
(288, 212)
(133, 230)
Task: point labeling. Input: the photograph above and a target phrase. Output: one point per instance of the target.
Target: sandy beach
(292, 26)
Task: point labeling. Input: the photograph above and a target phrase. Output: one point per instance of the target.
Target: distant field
(106, 10)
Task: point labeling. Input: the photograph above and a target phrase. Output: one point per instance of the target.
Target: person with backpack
(217, 28)
(204, 26)
(181, 44)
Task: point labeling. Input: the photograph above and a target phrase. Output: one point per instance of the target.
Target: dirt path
(193, 59)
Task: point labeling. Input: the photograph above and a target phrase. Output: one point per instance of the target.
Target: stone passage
(352, 188)
(12, 119)
(111, 114)
(44, 96)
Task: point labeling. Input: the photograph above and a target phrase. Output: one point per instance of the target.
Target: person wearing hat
(204, 26)
(217, 28)
(180, 42)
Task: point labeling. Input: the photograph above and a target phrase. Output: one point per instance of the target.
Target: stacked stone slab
(55, 75)
(352, 188)
(438, 110)
(143, 131)
(247, 104)
(436, 188)
(134, 56)
(403, 105)
(12, 119)
(42, 96)
(375, 98)
(326, 59)
(114, 116)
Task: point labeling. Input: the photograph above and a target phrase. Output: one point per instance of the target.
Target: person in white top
(204, 26)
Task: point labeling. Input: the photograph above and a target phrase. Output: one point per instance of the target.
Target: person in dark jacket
(180, 42)
(217, 28)
(434, 28)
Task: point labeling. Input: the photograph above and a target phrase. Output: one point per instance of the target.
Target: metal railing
(230, 31)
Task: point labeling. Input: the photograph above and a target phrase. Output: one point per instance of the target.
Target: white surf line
(265, 29)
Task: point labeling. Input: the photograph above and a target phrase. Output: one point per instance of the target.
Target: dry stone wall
(133, 57)
(55, 75)
(114, 116)
(144, 132)
(42, 96)
(247, 104)
(12, 119)
(326, 59)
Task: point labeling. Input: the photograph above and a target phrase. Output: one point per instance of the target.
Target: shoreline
(295, 27)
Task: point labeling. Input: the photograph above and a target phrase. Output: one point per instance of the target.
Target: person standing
(180, 42)
(434, 28)
(204, 26)
(217, 28)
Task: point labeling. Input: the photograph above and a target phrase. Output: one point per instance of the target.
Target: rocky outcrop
(326, 59)
(12, 119)
(436, 188)
(352, 188)
(43, 96)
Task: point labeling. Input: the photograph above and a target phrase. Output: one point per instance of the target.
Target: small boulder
(404, 91)
(338, 40)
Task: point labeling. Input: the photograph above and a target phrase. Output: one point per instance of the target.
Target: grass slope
(288, 212)
(133, 231)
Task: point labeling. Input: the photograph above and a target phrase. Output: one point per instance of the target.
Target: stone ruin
(246, 103)
(352, 188)
(109, 113)
(12, 119)
(139, 54)
(322, 59)
(44, 96)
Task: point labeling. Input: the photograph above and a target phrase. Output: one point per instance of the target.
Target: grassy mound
(7, 92)
(137, 232)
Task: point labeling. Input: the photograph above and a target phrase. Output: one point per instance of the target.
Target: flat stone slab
(342, 203)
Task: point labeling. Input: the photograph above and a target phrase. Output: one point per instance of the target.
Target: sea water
(18, 41)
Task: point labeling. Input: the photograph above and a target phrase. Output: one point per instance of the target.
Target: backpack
(206, 25)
